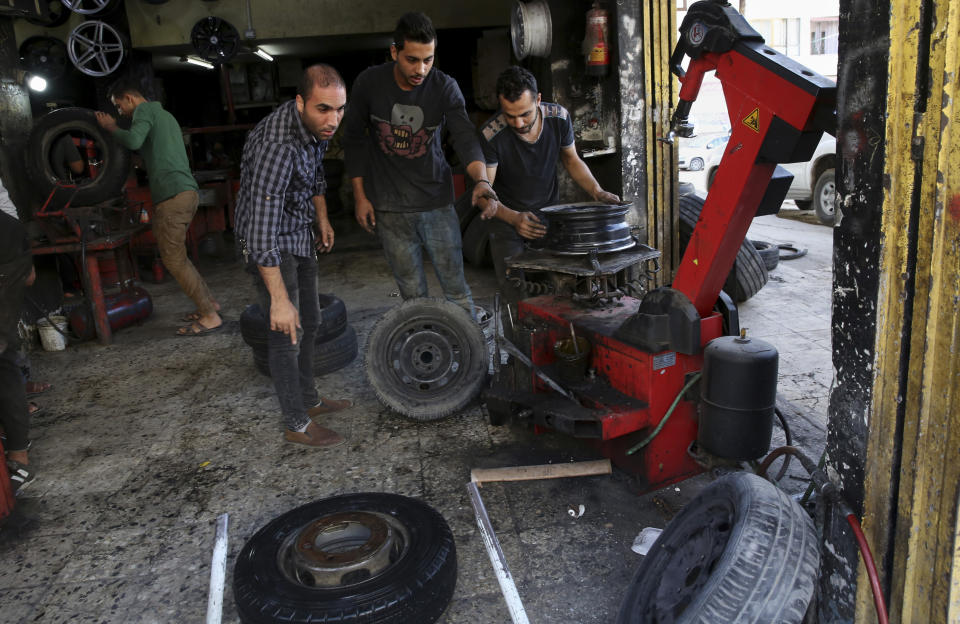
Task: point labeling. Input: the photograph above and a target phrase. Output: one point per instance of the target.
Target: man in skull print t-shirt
(402, 184)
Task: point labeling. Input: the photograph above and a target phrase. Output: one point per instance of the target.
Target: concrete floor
(142, 444)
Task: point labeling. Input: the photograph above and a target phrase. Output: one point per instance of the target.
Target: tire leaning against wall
(114, 157)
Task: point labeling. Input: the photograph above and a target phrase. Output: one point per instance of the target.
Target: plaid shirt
(281, 170)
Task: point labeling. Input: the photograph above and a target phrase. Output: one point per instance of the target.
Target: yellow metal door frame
(917, 370)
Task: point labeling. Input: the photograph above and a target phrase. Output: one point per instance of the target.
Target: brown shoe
(315, 435)
(329, 406)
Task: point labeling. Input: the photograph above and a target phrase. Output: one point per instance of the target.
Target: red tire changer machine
(670, 384)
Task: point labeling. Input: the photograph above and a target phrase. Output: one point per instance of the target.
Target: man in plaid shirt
(280, 204)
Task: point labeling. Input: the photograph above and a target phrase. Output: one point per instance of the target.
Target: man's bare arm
(581, 174)
(283, 315)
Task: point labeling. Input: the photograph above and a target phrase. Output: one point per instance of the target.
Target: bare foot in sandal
(199, 328)
(195, 316)
(37, 387)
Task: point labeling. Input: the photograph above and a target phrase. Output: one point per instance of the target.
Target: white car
(813, 183)
(696, 152)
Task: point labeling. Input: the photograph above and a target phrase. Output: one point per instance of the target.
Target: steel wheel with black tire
(769, 252)
(476, 244)
(426, 358)
(748, 274)
(741, 551)
(825, 197)
(112, 160)
(352, 559)
(696, 164)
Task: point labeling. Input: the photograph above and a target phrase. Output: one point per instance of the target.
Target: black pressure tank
(738, 396)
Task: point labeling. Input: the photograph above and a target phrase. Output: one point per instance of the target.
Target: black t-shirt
(392, 139)
(527, 172)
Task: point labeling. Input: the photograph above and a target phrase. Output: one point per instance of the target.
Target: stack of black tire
(335, 346)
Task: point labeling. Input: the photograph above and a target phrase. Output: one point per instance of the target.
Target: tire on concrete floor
(328, 356)
(741, 551)
(395, 562)
(476, 244)
(426, 358)
(82, 124)
(748, 274)
(333, 321)
(769, 252)
(334, 354)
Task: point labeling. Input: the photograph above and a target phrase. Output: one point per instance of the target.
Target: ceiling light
(37, 83)
(199, 62)
(262, 54)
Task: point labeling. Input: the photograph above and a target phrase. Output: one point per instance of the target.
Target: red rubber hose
(871, 568)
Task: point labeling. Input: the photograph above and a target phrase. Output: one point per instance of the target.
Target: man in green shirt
(173, 190)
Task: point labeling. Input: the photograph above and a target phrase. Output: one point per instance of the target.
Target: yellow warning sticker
(752, 120)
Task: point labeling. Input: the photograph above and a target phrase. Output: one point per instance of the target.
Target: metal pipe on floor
(500, 567)
(218, 572)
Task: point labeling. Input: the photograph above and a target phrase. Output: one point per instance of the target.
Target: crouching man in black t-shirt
(522, 164)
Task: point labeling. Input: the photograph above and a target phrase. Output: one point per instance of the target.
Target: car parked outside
(813, 185)
(696, 152)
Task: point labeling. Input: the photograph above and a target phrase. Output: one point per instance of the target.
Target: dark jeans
(405, 235)
(291, 365)
(14, 414)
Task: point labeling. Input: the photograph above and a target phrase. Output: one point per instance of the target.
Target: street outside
(793, 310)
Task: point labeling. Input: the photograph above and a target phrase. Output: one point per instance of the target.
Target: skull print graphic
(404, 135)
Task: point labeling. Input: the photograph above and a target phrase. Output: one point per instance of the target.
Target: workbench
(90, 252)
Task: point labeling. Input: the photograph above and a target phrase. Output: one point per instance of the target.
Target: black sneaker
(20, 476)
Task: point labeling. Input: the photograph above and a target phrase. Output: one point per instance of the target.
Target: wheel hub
(828, 198)
(426, 357)
(691, 566)
(343, 549)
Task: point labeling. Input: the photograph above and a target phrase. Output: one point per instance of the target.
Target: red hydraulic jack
(639, 404)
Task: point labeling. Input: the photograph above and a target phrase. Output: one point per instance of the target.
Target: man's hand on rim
(529, 226)
(606, 197)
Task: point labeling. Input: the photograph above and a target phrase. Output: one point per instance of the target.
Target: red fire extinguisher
(595, 42)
